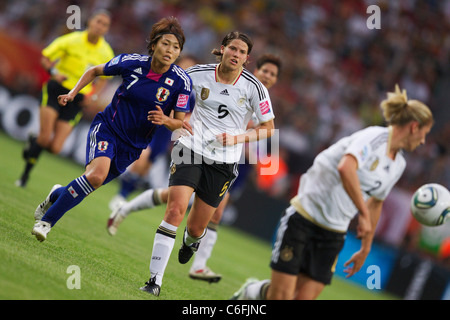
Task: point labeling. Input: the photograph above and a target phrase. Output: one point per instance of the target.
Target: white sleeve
(360, 147)
(261, 104)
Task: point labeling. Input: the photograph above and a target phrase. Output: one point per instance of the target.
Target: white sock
(257, 290)
(141, 202)
(204, 251)
(162, 248)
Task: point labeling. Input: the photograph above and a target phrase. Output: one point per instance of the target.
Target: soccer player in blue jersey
(152, 87)
(136, 175)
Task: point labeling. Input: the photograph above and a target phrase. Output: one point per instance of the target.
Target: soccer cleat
(241, 294)
(186, 252)
(41, 229)
(205, 274)
(116, 202)
(151, 287)
(114, 221)
(22, 181)
(45, 205)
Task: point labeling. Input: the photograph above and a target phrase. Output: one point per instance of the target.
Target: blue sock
(69, 197)
(56, 193)
(128, 183)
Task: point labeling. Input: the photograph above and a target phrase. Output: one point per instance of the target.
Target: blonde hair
(398, 110)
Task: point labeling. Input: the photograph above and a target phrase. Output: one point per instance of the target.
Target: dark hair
(269, 58)
(230, 37)
(169, 25)
(100, 12)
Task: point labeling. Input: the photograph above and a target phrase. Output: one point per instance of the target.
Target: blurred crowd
(335, 69)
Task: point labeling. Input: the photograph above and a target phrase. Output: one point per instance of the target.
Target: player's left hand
(357, 260)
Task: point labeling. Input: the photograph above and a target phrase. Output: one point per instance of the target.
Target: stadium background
(335, 73)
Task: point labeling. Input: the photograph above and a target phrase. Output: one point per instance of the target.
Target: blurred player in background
(352, 176)
(152, 88)
(65, 59)
(267, 71)
(206, 163)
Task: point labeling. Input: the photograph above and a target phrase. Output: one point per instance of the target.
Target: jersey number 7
(134, 81)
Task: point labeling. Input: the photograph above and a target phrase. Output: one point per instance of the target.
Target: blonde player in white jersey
(353, 175)
(226, 97)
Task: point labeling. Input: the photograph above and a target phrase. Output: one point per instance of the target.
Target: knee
(174, 214)
(95, 178)
(44, 141)
(55, 149)
(196, 231)
(279, 294)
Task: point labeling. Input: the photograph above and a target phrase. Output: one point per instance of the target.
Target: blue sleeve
(192, 100)
(184, 100)
(113, 67)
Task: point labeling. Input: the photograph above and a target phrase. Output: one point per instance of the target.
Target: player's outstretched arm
(85, 79)
(263, 131)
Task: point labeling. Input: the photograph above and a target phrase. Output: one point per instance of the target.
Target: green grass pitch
(111, 268)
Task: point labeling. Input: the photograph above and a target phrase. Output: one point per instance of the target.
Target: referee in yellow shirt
(66, 59)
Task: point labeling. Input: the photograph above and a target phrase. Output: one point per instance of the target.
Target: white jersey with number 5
(223, 108)
(321, 193)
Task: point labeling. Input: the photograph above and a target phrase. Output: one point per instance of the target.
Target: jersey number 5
(223, 111)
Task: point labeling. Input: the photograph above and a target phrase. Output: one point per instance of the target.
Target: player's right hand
(64, 99)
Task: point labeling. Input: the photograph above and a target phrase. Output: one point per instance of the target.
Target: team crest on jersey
(162, 94)
(287, 254)
(374, 164)
(204, 94)
(102, 146)
(173, 168)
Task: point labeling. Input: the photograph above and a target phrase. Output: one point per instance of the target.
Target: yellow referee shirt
(75, 54)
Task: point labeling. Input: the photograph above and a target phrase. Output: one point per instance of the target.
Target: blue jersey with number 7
(140, 92)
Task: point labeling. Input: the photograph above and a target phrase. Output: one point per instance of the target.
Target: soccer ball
(430, 204)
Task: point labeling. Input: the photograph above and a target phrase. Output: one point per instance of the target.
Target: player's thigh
(143, 164)
(307, 288)
(97, 170)
(217, 216)
(282, 286)
(177, 203)
(47, 118)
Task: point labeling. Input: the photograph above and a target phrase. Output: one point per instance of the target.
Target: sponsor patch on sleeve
(264, 107)
(363, 153)
(182, 101)
(114, 61)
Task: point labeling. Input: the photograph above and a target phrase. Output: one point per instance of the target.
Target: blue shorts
(102, 142)
(160, 142)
